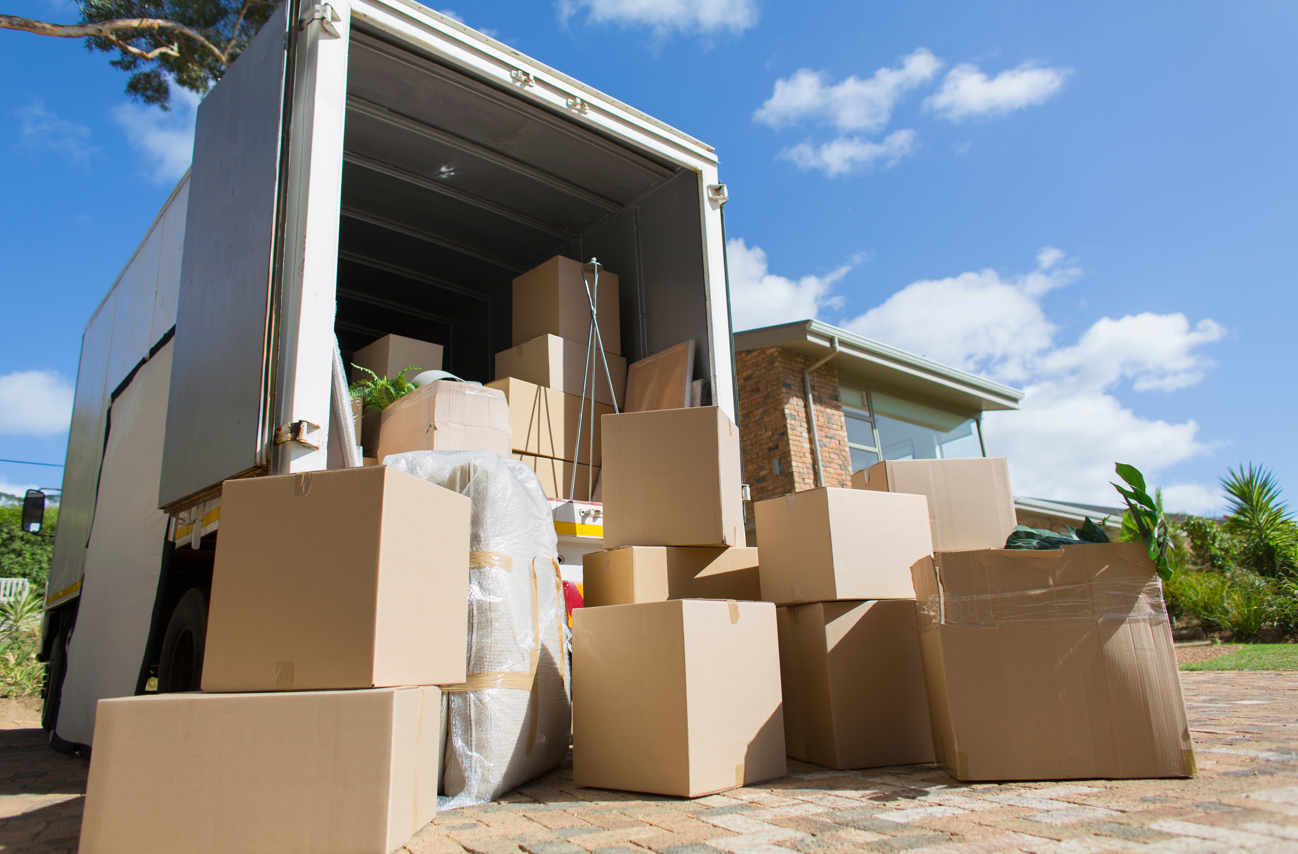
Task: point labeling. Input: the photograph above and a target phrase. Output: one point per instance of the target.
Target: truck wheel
(55, 670)
(181, 667)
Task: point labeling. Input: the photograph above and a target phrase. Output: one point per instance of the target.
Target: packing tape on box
(1127, 600)
(483, 681)
(483, 560)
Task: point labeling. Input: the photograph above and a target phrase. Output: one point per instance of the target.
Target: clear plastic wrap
(1123, 600)
(511, 719)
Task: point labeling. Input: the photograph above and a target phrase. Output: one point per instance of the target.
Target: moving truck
(366, 167)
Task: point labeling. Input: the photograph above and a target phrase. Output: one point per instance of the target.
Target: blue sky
(1094, 202)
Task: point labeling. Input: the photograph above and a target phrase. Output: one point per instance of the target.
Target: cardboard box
(1051, 665)
(556, 476)
(353, 578)
(392, 354)
(658, 573)
(672, 477)
(831, 544)
(446, 416)
(551, 300)
(544, 421)
(560, 364)
(970, 503)
(854, 694)
(661, 381)
(676, 698)
(332, 772)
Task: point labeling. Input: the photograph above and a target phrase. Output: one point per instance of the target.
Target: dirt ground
(1195, 651)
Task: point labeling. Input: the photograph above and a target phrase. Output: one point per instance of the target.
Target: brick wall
(773, 425)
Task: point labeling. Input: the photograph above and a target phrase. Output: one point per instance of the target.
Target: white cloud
(665, 16)
(164, 140)
(851, 154)
(34, 403)
(1194, 498)
(968, 93)
(39, 129)
(851, 105)
(759, 298)
(15, 489)
(1071, 429)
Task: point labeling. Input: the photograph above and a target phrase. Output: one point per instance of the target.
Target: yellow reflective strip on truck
(576, 529)
(66, 591)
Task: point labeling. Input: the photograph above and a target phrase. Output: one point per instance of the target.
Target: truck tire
(55, 670)
(181, 666)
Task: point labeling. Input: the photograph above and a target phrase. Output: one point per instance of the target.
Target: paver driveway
(1245, 728)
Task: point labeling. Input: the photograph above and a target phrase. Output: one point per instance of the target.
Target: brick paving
(1245, 728)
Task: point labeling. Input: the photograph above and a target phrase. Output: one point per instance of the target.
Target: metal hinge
(745, 493)
(718, 193)
(325, 14)
(522, 78)
(577, 105)
(298, 432)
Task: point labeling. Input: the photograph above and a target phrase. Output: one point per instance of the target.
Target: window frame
(869, 415)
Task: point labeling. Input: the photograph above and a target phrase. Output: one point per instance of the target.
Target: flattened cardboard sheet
(661, 381)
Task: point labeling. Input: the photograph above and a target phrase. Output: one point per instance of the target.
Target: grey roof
(883, 367)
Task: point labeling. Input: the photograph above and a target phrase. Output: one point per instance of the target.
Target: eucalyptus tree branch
(109, 29)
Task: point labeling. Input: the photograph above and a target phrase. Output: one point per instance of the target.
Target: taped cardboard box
(446, 416)
(556, 476)
(550, 299)
(970, 503)
(353, 578)
(560, 364)
(829, 544)
(392, 354)
(676, 698)
(334, 772)
(1051, 665)
(544, 421)
(661, 381)
(854, 694)
(672, 478)
(657, 573)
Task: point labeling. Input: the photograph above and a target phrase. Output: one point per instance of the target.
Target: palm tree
(1266, 530)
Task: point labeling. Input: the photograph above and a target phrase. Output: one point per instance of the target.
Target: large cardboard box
(657, 573)
(560, 364)
(1051, 665)
(447, 416)
(392, 354)
(551, 300)
(544, 421)
(556, 476)
(854, 694)
(676, 698)
(353, 578)
(828, 544)
(332, 772)
(970, 503)
(672, 477)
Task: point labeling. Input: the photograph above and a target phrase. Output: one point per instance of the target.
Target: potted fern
(376, 394)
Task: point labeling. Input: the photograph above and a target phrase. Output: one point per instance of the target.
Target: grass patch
(1259, 656)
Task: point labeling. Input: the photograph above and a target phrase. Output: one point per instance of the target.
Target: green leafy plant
(378, 393)
(21, 674)
(24, 555)
(1144, 520)
(1262, 523)
(1023, 537)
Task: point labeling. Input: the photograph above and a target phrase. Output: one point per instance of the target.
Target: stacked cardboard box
(542, 375)
(337, 607)
(839, 562)
(673, 693)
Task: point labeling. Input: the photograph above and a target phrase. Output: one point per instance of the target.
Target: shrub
(1237, 601)
(21, 674)
(25, 555)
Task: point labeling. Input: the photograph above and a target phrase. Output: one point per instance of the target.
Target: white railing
(12, 588)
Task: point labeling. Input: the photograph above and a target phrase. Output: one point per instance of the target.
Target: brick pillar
(774, 433)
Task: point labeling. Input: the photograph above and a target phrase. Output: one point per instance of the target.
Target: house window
(880, 426)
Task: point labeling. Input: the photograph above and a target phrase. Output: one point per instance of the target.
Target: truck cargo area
(452, 187)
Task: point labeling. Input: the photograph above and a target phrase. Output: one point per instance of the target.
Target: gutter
(811, 410)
